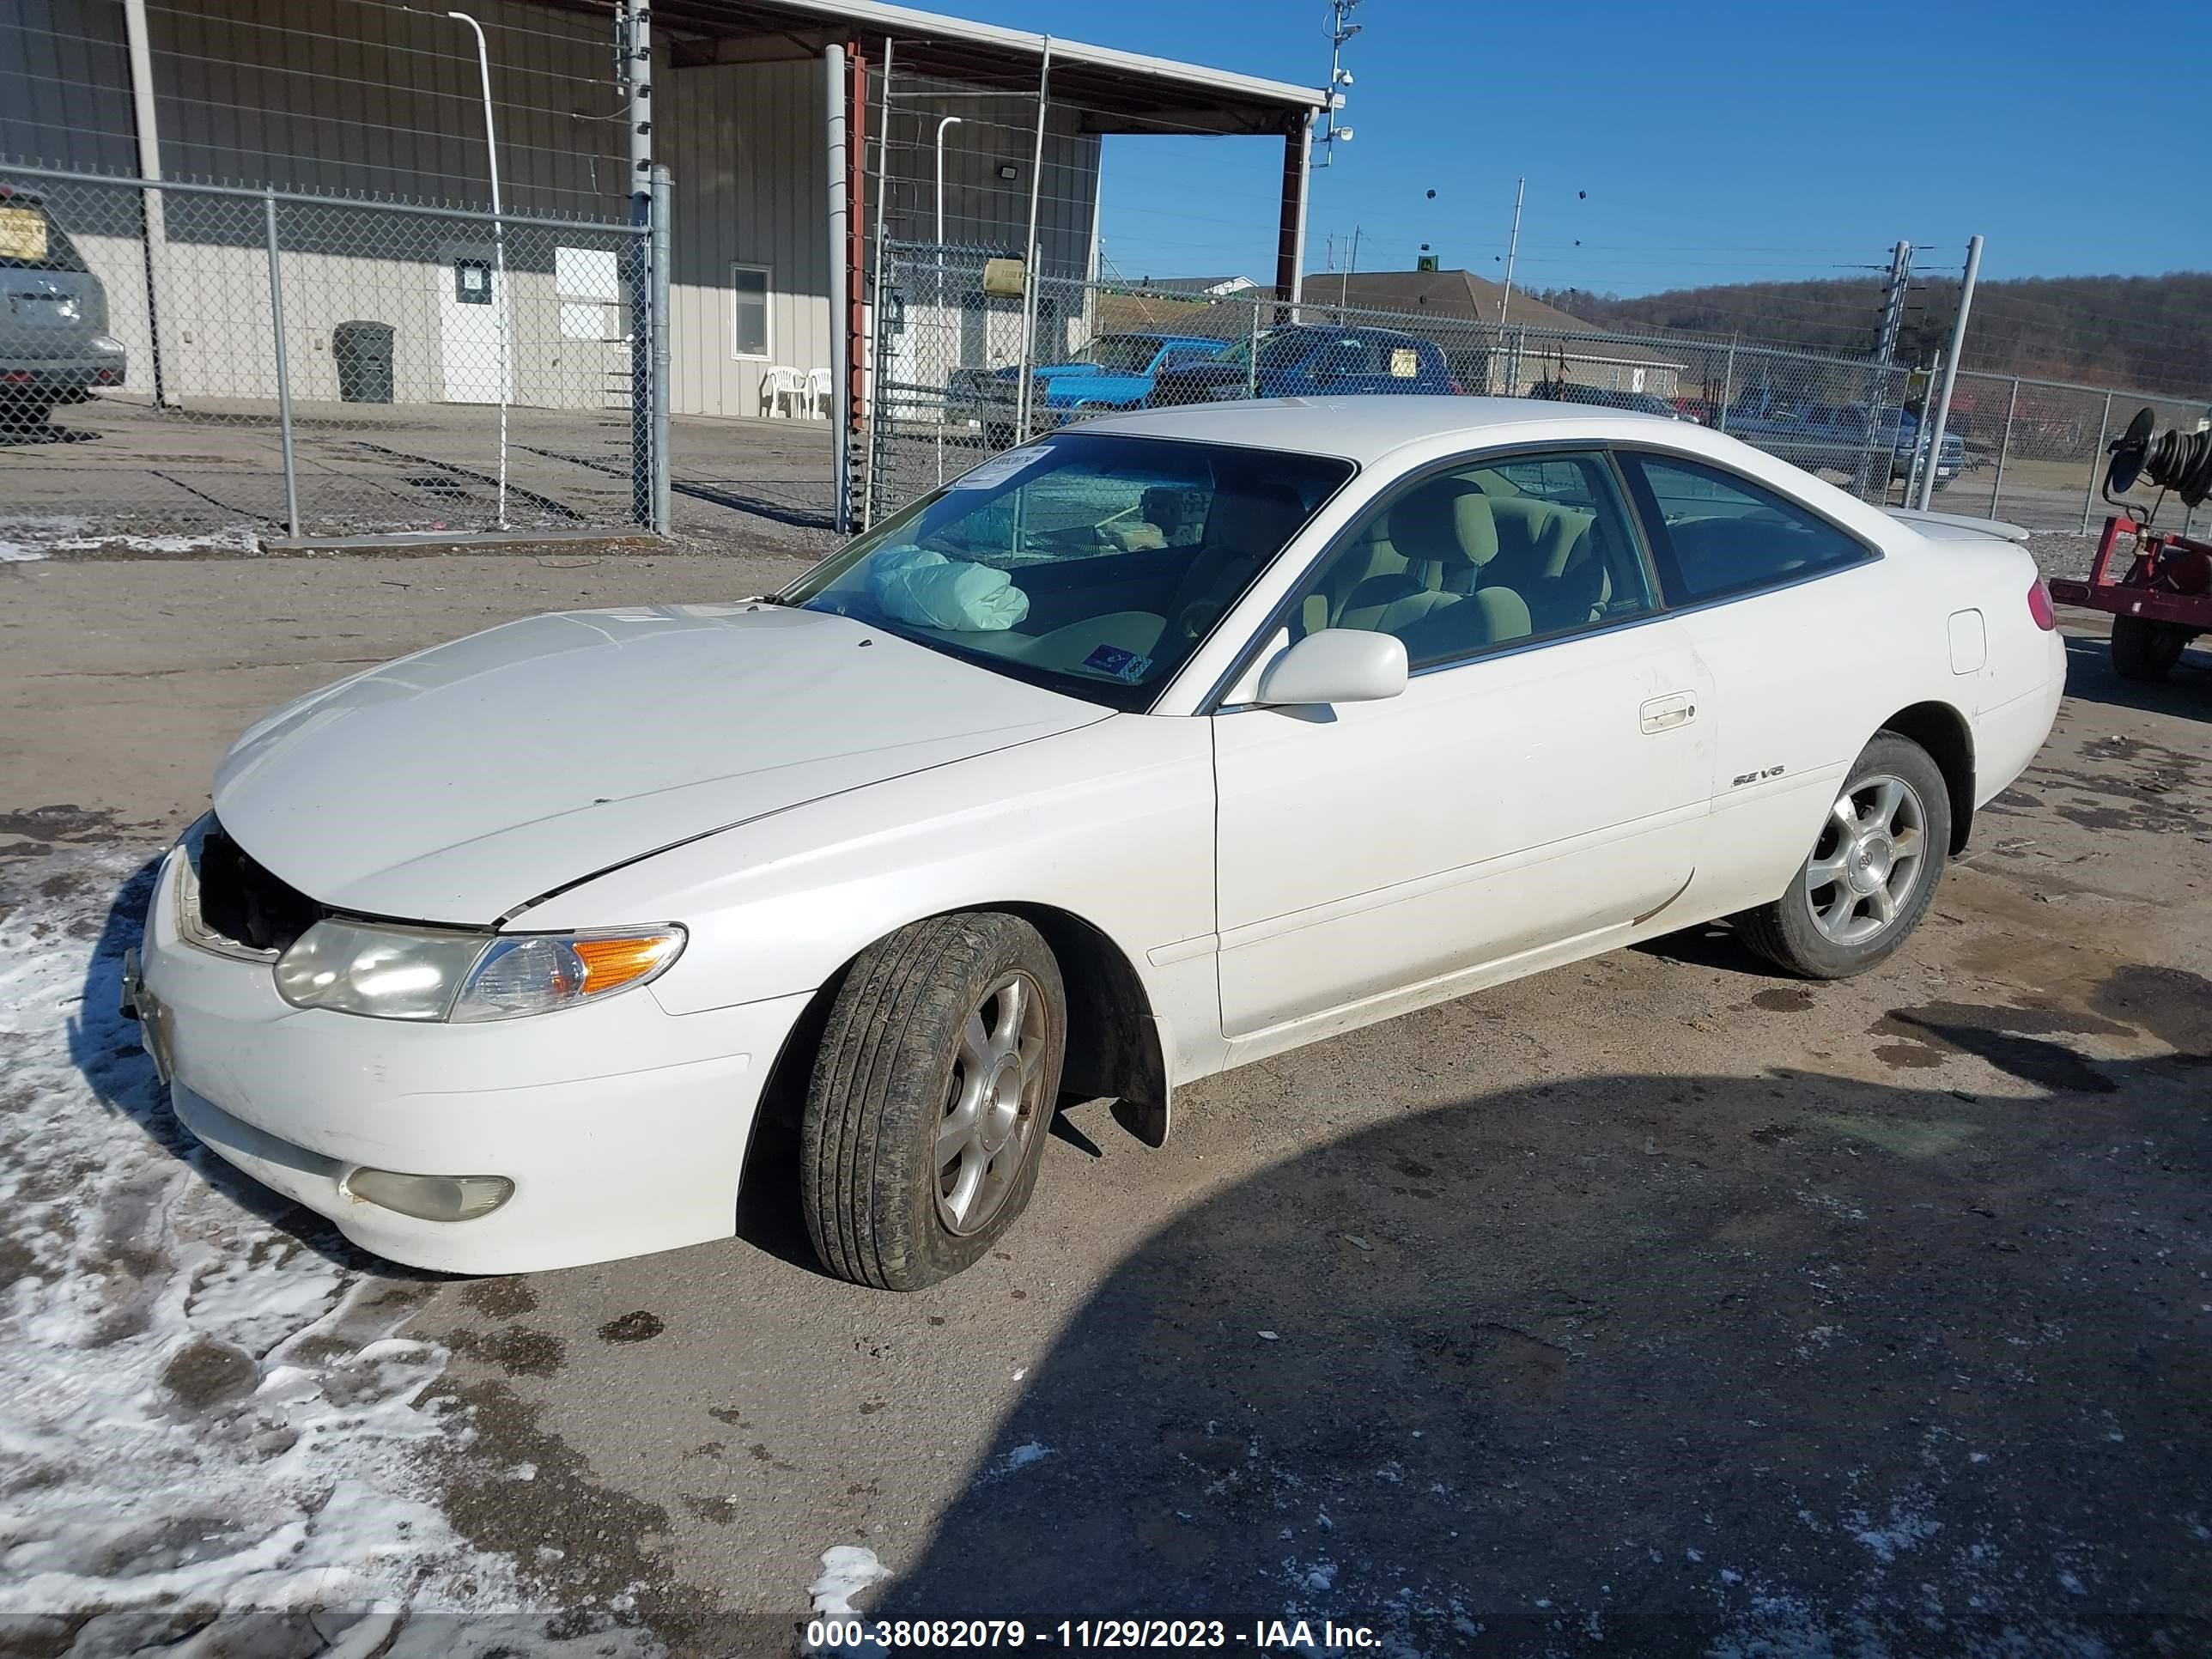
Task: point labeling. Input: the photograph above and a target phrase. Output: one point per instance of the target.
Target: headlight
(392, 972)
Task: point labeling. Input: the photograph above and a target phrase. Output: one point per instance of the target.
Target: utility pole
(1512, 246)
(1935, 427)
(1344, 287)
(1892, 304)
(1341, 28)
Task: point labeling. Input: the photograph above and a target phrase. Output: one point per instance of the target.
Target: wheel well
(1113, 1046)
(1942, 731)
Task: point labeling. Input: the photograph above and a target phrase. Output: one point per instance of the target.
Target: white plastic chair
(817, 393)
(782, 390)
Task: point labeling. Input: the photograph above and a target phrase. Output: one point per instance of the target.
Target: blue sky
(1712, 140)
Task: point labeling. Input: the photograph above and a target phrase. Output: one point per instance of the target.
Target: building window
(749, 311)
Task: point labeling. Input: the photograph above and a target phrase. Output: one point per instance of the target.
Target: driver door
(1540, 784)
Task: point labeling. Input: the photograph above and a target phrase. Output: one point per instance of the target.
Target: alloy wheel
(992, 1108)
(1870, 857)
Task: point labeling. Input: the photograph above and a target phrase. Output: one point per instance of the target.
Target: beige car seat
(1441, 604)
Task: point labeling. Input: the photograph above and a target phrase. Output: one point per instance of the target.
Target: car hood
(461, 783)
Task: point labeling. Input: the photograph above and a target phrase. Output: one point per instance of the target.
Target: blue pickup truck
(1115, 371)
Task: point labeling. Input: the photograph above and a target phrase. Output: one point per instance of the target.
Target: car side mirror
(1335, 664)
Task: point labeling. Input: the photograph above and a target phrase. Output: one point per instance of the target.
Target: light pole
(498, 242)
(1512, 247)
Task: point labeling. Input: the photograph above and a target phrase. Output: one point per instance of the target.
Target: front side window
(1121, 354)
(1089, 563)
(749, 311)
(1719, 534)
(1491, 553)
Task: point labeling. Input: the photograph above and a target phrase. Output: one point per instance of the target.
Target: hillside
(2140, 333)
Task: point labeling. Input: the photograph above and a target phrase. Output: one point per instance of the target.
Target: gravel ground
(1654, 1305)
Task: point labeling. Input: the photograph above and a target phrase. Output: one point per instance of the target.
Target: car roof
(1349, 330)
(1364, 428)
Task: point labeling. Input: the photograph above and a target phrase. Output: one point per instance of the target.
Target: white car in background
(1162, 744)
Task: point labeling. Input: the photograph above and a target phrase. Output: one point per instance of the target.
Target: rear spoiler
(1957, 526)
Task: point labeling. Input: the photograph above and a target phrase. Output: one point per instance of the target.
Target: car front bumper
(623, 1128)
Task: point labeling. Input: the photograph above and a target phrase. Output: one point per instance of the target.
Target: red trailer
(2165, 600)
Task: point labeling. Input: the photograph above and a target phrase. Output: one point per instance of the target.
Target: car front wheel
(931, 1098)
(1872, 872)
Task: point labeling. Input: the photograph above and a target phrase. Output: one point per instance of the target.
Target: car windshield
(1120, 354)
(1089, 563)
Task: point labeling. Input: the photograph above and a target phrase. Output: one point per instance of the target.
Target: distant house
(1502, 361)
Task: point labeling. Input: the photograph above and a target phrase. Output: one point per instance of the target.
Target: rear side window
(1717, 534)
(29, 240)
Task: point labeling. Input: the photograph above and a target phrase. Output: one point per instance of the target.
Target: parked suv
(1640, 403)
(1311, 360)
(54, 343)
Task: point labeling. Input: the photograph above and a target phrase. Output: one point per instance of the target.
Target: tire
(2146, 650)
(896, 1067)
(1836, 928)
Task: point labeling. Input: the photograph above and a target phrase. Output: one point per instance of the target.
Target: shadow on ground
(2186, 693)
(1792, 1364)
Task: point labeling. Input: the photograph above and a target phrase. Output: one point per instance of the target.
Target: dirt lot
(112, 467)
(1656, 1305)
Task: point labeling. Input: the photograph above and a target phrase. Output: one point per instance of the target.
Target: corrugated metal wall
(343, 97)
(744, 142)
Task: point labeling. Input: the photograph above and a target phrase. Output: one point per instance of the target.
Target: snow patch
(200, 1409)
(846, 1570)
(1905, 1530)
(43, 538)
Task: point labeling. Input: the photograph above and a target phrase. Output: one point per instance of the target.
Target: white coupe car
(1164, 744)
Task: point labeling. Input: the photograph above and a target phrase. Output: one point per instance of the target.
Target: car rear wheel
(1872, 872)
(931, 1098)
(2146, 650)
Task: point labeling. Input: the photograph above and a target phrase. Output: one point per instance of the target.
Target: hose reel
(2178, 461)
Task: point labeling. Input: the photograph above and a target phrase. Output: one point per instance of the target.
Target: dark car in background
(1640, 403)
(1312, 360)
(54, 343)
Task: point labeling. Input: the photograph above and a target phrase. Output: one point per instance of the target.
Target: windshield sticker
(1124, 666)
(999, 468)
(1404, 364)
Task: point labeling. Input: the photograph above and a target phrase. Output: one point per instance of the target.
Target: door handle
(1665, 714)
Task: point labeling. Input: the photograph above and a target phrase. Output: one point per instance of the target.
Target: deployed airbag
(913, 585)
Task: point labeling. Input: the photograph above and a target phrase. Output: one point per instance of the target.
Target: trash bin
(363, 353)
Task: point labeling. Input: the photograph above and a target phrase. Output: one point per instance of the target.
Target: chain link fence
(183, 362)
(952, 352)
(2036, 449)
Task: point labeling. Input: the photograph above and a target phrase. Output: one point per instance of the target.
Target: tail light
(1455, 388)
(2039, 606)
